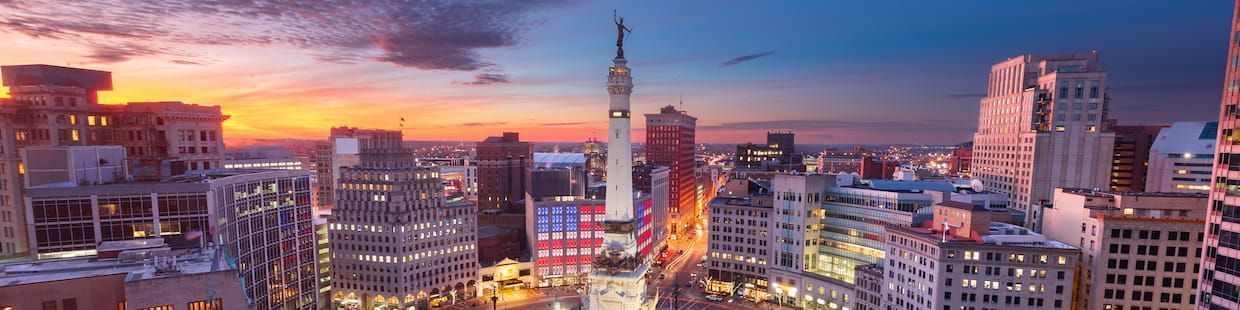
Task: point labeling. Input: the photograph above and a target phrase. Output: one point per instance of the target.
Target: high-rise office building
(1131, 158)
(1042, 125)
(59, 106)
(1182, 157)
(670, 143)
(1138, 250)
(502, 162)
(397, 243)
(265, 220)
(1219, 286)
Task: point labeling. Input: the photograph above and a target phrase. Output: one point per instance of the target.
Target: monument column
(618, 280)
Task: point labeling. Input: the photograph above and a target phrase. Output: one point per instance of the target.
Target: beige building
(342, 149)
(740, 232)
(964, 260)
(1138, 250)
(1043, 125)
(397, 243)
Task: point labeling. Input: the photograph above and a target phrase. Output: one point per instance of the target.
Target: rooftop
(136, 267)
(1186, 138)
(906, 186)
(998, 234)
(550, 159)
(738, 201)
(1108, 193)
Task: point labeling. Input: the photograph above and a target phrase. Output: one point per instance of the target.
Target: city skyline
(521, 64)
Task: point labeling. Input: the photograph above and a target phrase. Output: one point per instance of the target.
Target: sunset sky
(832, 71)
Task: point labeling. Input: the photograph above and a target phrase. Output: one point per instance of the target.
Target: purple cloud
(488, 78)
(428, 35)
(744, 58)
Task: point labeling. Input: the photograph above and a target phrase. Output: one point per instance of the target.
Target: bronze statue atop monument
(620, 30)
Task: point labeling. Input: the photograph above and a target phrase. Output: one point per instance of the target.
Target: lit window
(90, 120)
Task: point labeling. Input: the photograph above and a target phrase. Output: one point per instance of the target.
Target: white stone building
(1138, 250)
(1043, 125)
(976, 264)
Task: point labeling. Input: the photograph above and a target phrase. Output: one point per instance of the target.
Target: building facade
(502, 162)
(1131, 157)
(1182, 157)
(670, 143)
(58, 106)
(778, 154)
(961, 160)
(1042, 125)
(1138, 250)
(976, 264)
(397, 243)
(1219, 286)
(261, 219)
(342, 149)
(868, 288)
(739, 241)
(73, 221)
(265, 221)
(794, 269)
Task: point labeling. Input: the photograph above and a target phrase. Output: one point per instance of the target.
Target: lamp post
(495, 297)
(676, 296)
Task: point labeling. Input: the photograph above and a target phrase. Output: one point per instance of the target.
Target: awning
(510, 282)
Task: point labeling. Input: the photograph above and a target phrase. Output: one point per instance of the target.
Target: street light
(495, 300)
(676, 296)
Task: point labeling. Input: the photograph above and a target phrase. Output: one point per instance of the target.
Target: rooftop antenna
(947, 226)
(682, 101)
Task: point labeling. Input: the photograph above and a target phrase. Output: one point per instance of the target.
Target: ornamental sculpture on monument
(618, 280)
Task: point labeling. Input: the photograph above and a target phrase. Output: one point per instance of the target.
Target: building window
(214, 304)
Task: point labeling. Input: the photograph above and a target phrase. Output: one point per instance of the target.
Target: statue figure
(620, 30)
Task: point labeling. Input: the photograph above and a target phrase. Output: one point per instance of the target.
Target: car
(661, 276)
(714, 298)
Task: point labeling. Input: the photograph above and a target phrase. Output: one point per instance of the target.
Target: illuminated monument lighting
(617, 281)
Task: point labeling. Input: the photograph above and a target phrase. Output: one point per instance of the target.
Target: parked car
(714, 298)
(661, 276)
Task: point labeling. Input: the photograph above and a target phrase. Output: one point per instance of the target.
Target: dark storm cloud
(429, 35)
(488, 78)
(745, 58)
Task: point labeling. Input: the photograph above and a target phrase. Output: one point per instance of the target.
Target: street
(684, 270)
